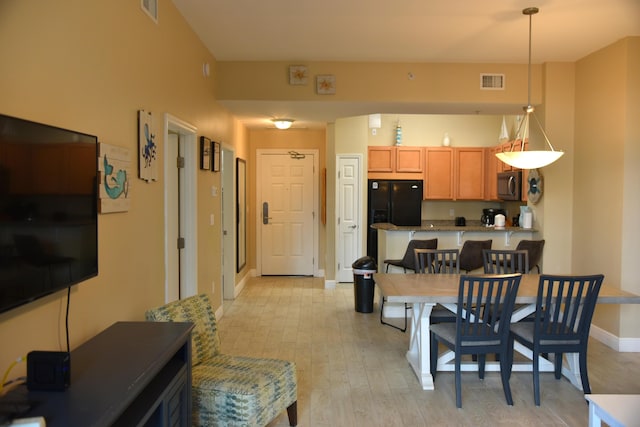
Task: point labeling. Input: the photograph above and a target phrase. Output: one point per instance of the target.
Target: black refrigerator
(398, 202)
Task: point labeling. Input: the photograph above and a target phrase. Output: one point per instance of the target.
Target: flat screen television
(48, 210)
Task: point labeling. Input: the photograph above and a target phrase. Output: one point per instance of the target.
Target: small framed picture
(298, 75)
(205, 153)
(215, 151)
(326, 84)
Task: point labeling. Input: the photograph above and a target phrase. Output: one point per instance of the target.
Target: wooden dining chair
(473, 333)
(564, 309)
(407, 263)
(500, 261)
(438, 261)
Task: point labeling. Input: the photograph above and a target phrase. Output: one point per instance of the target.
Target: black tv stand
(131, 374)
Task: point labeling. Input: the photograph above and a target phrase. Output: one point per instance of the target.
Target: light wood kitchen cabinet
(469, 173)
(438, 181)
(381, 159)
(395, 162)
(493, 166)
(409, 159)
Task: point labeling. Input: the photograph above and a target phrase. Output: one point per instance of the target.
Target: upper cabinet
(469, 173)
(395, 162)
(448, 173)
(409, 159)
(438, 177)
(381, 159)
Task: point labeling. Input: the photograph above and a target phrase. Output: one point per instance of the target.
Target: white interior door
(172, 189)
(287, 217)
(181, 266)
(349, 228)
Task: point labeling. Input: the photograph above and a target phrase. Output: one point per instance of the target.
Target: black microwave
(509, 185)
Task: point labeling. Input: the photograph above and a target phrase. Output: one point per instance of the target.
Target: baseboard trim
(622, 345)
(329, 284)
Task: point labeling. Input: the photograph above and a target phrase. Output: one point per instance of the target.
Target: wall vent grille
(492, 81)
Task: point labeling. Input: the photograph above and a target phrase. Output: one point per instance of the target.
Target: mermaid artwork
(115, 185)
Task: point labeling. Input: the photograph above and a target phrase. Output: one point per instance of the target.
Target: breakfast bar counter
(393, 239)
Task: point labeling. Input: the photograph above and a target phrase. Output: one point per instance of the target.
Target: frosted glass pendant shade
(529, 159)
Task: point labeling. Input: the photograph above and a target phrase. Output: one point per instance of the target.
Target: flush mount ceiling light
(282, 123)
(529, 159)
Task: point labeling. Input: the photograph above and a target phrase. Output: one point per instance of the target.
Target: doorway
(287, 217)
(349, 227)
(181, 265)
(228, 224)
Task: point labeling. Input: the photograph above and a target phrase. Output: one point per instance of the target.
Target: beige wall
(605, 231)
(89, 66)
(454, 84)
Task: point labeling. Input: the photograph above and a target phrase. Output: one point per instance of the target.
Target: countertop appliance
(398, 202)
(509, 185)
(489, 215)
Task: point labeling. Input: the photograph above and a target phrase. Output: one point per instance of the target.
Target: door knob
(353, 226)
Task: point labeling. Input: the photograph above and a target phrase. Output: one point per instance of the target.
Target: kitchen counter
(444, 225)
(393, 241)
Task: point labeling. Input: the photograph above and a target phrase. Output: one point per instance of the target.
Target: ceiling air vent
(492, 81)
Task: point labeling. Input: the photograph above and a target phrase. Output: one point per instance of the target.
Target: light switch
(211, 219)
(214, 191)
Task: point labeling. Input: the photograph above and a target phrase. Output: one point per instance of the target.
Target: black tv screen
(48, 210)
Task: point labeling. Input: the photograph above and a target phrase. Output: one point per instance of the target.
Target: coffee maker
(489, 215)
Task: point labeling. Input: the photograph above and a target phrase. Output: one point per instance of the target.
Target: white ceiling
(464, 31)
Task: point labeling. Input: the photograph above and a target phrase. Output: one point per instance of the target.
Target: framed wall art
(326, 84)
(147, 148)
(298, 75)
(205, 153)
(215, 152)
(241, 214)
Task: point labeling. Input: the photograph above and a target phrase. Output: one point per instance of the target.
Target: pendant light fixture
(282, 123)
(529, 159)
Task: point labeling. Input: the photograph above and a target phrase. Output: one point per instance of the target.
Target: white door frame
(316, 210)
(228, 241)
(189, 208)
(363, 218)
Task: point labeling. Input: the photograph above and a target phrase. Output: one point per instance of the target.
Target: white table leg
(420, 344)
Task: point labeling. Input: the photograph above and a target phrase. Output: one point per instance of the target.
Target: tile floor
(352, 370)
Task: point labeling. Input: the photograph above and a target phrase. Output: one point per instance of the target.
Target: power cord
(4, 381)
(66, 320)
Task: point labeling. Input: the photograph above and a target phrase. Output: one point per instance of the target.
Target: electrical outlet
(452, 212)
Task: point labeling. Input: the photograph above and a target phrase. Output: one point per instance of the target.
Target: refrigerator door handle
(265, 213)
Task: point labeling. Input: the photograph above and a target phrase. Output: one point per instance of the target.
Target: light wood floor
(352, 370)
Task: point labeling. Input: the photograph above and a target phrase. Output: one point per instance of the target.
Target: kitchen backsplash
(448, 210)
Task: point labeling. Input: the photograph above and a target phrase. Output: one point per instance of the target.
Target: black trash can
(363, 284)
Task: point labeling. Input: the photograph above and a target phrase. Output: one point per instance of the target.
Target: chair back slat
(437, 261)
(482, 299)
(565, 306)
(505, 261)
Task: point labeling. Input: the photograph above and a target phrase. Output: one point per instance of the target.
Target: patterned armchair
(230, 390)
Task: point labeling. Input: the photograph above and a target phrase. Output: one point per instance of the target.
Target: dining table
(423, 291)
